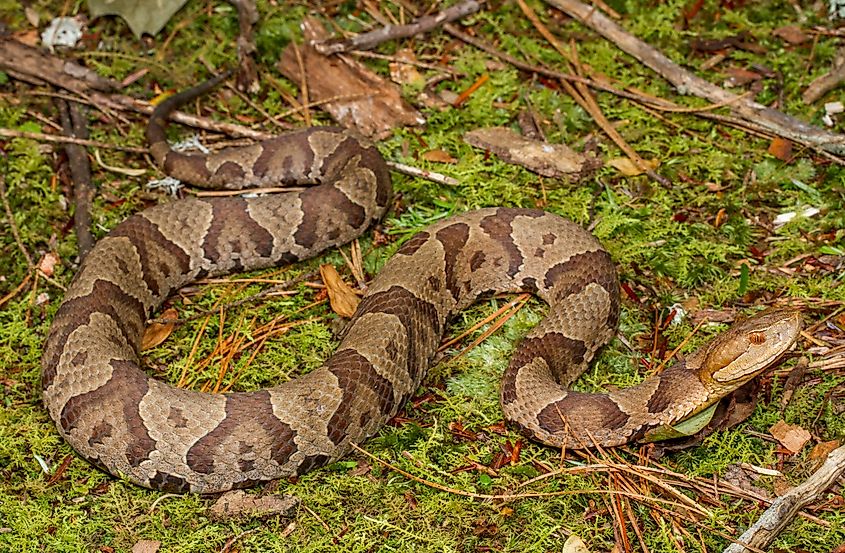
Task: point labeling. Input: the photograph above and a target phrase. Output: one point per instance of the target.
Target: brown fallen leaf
(549, 160)
(625, 166)
(146, 546)
(157, 333)
(781, 148)
(820, 452)
(790, 436)
(342, 297)
(439, 156)
(737, 76)
(239, 504)
(792, 34)
(354, 96)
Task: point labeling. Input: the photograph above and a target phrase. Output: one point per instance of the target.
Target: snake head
(748, 347)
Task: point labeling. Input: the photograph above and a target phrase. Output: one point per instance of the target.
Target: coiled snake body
(168, 438)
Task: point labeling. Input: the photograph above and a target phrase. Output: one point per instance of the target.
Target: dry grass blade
(506, 312)
(513, 497)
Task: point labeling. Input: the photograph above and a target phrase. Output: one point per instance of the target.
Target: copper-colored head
(748, 347)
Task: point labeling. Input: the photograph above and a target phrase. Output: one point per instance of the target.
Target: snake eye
(757, 338)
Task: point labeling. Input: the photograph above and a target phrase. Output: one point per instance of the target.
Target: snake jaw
(747, 348)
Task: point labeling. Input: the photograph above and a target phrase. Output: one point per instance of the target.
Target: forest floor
(729, 221)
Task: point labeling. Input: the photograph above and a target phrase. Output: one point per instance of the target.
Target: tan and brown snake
(167, 438)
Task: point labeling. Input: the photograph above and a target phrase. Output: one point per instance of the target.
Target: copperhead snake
(168, 438)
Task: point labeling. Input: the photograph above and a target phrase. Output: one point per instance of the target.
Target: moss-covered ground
(685, 244)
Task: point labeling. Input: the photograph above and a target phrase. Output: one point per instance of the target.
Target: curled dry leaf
(549, 160)
(48, 263)
(157, 333)
(439, 156)
(790, 436)
(627, 167)
(342, 297)
(239, 504)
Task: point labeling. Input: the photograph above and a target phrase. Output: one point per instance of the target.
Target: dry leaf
(792, 34)
(48, 263)
(737, 76)
(352, 94)
(439, 156)
(574, 544)
(549, 160)
(821, 450)
(790, 436)
(239, 504)
(146, 546)
(780, 148)
(143, 16)
(626, 166)
(157, 333)
(342, 298)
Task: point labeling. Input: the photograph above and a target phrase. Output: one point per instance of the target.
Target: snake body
(168, 438)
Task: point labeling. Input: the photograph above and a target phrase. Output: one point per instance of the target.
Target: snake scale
(168, 438)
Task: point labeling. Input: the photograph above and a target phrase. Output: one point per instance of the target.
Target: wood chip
(156, 333)
(239, 504)
(146, 546)
(549, 160)
(342, 297)
(355, 97)
(790, 436)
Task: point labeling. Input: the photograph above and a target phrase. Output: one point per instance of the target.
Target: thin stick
(422, 173)
(42, 137)
(368, 41)
(11, 218)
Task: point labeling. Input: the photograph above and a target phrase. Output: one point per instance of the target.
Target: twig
(685, 82)
(762, 533)
(74, 124)
(247, 75)
(826, 82)
(42, 137)
(422, 173)
(11, 217)
(368, 41)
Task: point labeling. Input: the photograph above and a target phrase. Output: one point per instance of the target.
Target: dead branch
(247, 74)
(782, 510)
(74, 124)
(368, 41)
(771, 120)
(826, 82)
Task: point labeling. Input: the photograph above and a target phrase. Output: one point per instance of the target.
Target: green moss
(664, 239)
